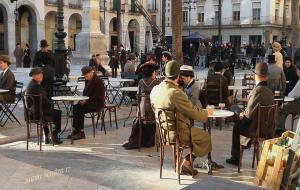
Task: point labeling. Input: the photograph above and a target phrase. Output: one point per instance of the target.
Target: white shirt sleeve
(295, 93)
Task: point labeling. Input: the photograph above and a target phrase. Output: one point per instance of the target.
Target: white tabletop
(222, 113)
(286, 99)
(69, 98)
(70, 84)
(3, 90)
(237, 87)
(130, 89)
(120, 80)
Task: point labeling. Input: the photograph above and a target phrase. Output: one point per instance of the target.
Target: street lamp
(190, 4)
(60, 50)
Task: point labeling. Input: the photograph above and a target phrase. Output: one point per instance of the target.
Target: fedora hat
(149, 65)
(44, 43)
(5, 58)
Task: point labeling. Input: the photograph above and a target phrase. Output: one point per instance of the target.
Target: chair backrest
(275, 85)
(167, 124)
(19, 90)
(32, 107)
(145, 112)
(265, 124)
(213, 92)
(249, 82)
(81, 79)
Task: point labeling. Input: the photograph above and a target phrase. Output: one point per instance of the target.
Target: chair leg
(38, 133)
(93, 123)
(116, 120)
(161, 161)
(41, 136)
(109, 112)
(174, 157)
(255, 154)
(240, 160)
(102, 122)
(178, 155)
(98, 117)
(51, 132)
(28, 136)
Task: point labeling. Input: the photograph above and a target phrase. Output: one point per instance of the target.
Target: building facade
(242, 21)
(29, 21)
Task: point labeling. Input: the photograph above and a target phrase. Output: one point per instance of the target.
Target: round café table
(71, 100)
(284, 99)
(114, 84)
(128, 89)
(217, 114)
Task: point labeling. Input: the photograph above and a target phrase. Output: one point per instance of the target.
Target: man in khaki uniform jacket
(168, 95)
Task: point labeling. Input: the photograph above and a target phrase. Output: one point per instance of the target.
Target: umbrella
(194, 37)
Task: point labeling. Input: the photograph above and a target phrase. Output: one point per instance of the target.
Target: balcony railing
(51, 2)
(75, 4)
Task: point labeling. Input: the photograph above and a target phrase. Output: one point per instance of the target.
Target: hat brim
(151, 65)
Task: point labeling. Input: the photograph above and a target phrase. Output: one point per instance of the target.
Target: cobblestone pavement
(101, 163)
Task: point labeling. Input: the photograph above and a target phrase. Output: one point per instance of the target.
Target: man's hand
(242, 114)
(82, 102)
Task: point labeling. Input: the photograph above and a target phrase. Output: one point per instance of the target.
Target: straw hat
(276, 46)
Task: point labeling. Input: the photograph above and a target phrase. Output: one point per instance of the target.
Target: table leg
(129, 114)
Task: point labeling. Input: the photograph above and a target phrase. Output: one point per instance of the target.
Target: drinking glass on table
(210, 109)
(221, 106)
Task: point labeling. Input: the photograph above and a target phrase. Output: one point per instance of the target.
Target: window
(256, 13)
(114, 25)
(185, 16)
(276, 14)
(236, 15)
(1, 41)
(200, 17)
(217, 16)
(115, 5)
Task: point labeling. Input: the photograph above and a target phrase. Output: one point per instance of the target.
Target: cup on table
(210, 109)
(277, 93)
(221, 105)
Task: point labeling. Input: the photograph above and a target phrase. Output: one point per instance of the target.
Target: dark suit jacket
(8, 82)
(262, 95)
(95, 90)
(36, 89)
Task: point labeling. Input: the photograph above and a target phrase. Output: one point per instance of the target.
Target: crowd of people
(176, 88)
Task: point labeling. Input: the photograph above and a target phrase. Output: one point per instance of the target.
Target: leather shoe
(77, 136)
(56, 140)
(130, 147)
(186, 169)
(125, 144)
(47, 140)
(232, 161)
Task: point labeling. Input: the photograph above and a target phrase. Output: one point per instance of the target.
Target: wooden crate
(269, 172)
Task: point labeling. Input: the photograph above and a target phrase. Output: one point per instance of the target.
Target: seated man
(95, 90)
(168, 95)
(289, 107)
(261, 94)
(35, 88)
(7, 80)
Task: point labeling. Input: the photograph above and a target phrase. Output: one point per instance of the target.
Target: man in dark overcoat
(7, 80)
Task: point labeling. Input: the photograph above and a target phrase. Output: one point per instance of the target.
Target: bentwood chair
(264, 129)
(33, 114)
(165, 118)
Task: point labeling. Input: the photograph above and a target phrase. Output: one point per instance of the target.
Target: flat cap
(172, 69)
(86, 69)
(5, 58)
(35, 71)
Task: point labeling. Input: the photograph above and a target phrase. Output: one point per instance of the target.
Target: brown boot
(187, 169)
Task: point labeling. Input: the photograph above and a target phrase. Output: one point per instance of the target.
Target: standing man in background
(19, 54)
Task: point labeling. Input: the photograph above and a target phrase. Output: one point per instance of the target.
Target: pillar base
(88, 44)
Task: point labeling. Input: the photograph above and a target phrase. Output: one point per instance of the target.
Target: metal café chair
(33, 114)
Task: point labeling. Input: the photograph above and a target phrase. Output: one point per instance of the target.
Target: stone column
(11, 37)
(90, 40)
